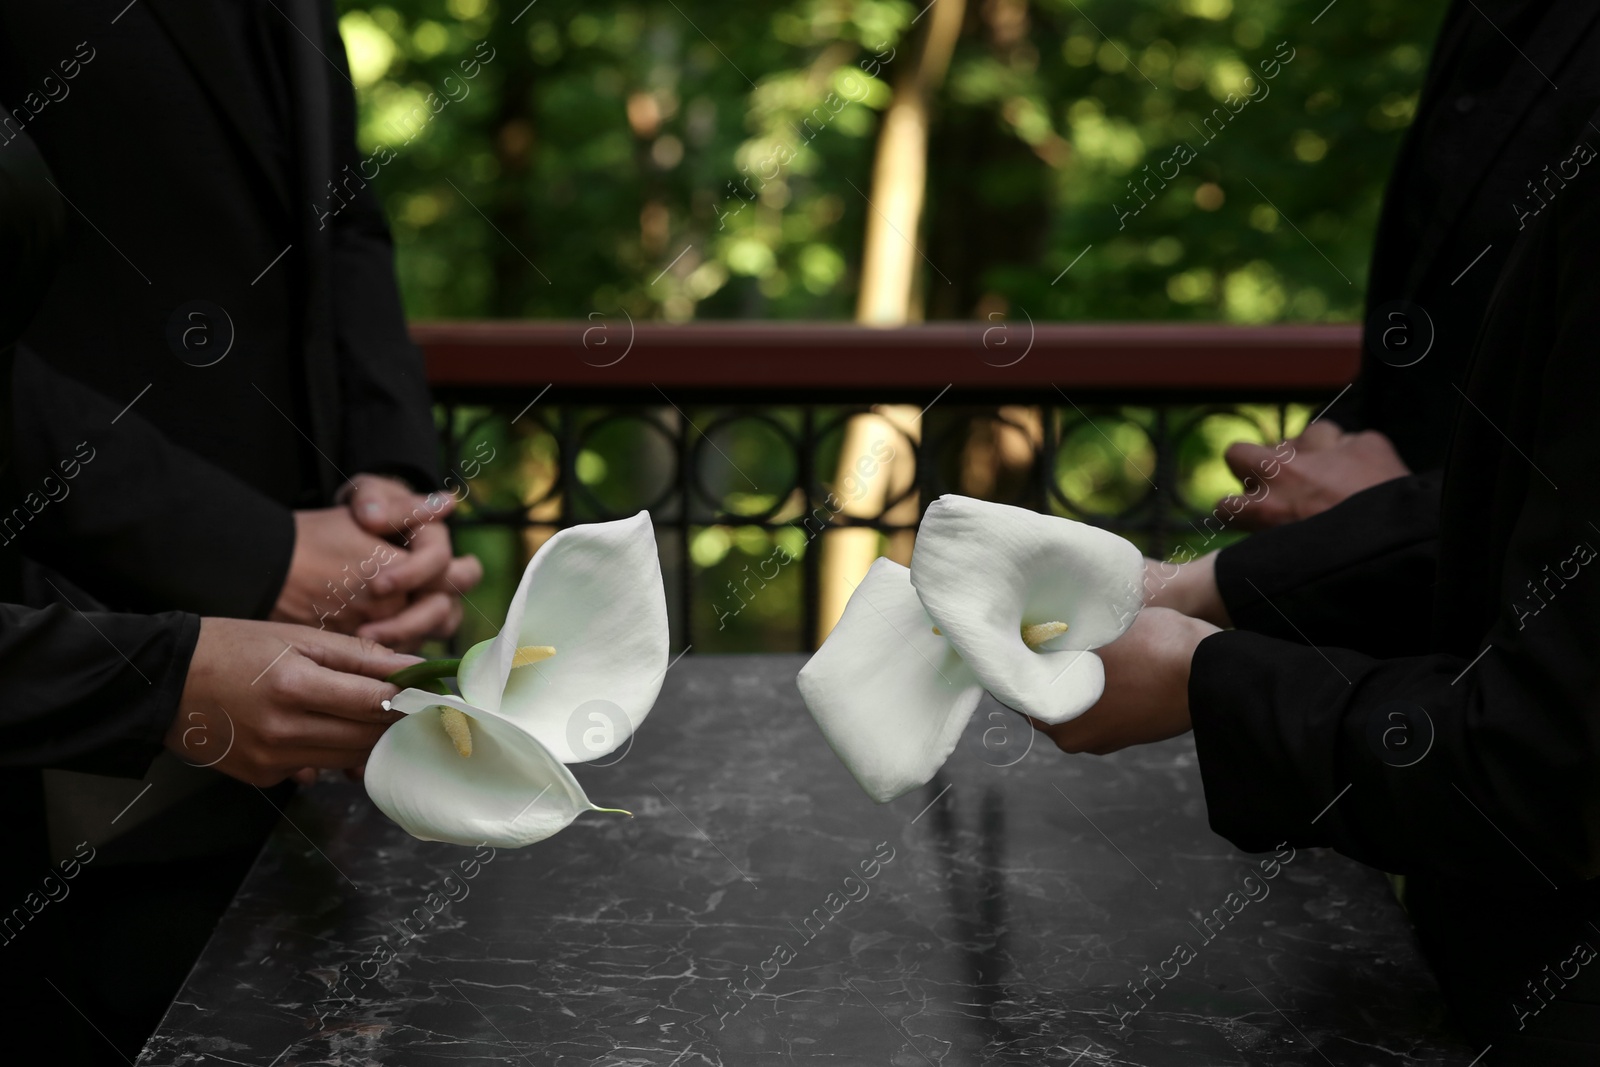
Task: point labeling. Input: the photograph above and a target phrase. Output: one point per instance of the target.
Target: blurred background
(881, 162)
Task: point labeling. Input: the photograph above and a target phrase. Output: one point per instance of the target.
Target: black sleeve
(1320, 580)
(388, 412)
(1503, 787)
(106, 499)
(91, 692)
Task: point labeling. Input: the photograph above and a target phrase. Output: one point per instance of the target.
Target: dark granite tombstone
(1026, 907)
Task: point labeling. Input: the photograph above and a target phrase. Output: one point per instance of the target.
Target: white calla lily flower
(587, 626)
(1025, 598)
(588, 622)
(889, 693)
(997, 598)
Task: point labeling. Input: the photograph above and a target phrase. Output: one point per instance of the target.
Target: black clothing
(74, 702)
(1493, 142)
(207, 151)
(32, 218)
(1487, 621)
(91, 691)
(226, 298)
(1479, 163)
(140, 507)
(1314, 570)
(85, 691)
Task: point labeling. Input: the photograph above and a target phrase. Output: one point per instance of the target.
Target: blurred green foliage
(602, 140)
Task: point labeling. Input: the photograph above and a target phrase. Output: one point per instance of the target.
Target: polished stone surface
(732, 921)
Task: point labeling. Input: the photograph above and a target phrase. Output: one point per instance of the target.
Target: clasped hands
(378, 566)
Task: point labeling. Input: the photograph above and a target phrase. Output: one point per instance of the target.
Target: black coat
(216, 198)
(1414, 680)
(1495, 131)
(1421, 690)
(89, 691)
(1430, 566)
(1498, 124)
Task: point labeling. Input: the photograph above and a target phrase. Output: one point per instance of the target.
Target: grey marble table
(759, 909)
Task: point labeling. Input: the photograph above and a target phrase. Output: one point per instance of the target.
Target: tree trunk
(889, 296)
(889, 260)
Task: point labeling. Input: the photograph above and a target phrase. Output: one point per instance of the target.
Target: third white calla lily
(588, 623)
(998, 598)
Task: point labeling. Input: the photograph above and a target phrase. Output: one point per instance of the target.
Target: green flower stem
(429, 675)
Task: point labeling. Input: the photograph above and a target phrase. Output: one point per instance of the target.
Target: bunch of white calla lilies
(997, 598)
(588, 623)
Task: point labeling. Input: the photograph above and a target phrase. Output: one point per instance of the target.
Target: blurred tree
(735, 142)
(889, 267)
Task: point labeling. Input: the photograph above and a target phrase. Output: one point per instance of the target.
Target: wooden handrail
(775, 358)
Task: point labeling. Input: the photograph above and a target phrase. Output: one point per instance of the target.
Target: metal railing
(749, 431)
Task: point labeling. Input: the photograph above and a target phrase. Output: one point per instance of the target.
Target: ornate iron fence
(761, 451)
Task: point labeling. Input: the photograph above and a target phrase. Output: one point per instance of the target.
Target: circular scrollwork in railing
(1199, 438)
(1105, 464)
(536, 477)
(842, 480)
(622, 462)
(497, 469)
(990, 455)
(738, 450)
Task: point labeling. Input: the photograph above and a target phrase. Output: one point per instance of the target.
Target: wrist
(196, 695)
(1165, 585)
(293, 601)
(1189, 588)
(1180, 660)
(1203, 593)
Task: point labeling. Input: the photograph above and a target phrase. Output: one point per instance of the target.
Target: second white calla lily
(587, 627)
(997, 598)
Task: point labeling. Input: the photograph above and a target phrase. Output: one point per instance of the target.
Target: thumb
(1246, 458)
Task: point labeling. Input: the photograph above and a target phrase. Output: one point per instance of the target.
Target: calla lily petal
(510, 792)
(595, 594)
(412, 701)
(984, 571)
(890, 695)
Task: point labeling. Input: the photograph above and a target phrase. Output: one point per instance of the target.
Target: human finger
(296, 730)
(1246, 459)
(430, 615)
(463, 573)
(425, 559)
(1318, 435)
(302, 685)
(350, 655)
(384, 506)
